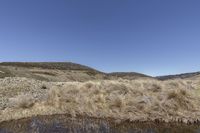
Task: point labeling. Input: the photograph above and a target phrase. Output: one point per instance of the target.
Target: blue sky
(154, 37)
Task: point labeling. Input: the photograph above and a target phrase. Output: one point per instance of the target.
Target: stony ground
(11, 87)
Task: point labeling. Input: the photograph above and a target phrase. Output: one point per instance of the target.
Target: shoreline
(113, 121)
(64, 122)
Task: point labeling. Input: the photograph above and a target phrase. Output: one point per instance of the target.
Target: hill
(49, 71)
(129, 75)
(193, 75)
(60, 72)
(49, 65)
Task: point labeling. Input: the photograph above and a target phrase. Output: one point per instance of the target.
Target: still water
(65, 124)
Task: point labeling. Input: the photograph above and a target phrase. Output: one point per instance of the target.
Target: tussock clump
(117, 102)
(88, 85)
(53, 97)
(172, 95)
(156, 87)
(22, 101)
(181, 99)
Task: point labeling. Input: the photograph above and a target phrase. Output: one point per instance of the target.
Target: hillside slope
(49, 65)
(129, 75)
(50, 71)
(60, 71)
(193, 75)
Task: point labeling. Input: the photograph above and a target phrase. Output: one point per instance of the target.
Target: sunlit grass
(143, 100)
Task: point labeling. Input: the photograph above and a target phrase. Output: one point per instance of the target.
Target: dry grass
(22, 101)
(143, 100)
(44, 72)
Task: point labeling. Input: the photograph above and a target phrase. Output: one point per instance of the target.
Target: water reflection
(65, 124)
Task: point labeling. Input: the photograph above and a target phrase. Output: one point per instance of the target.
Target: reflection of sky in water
(36, 125)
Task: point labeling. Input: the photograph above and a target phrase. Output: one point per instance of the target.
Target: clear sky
(154, 37)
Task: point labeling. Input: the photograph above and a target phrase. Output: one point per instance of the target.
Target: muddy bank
(67, 124)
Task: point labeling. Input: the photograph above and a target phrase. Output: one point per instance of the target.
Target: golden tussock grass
(22, 101)
(136, 100)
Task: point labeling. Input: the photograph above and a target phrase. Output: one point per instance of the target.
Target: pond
(67, 124)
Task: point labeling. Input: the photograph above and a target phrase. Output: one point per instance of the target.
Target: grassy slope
(49, 65)
(47, 71)
(179, 76)
(129, 75)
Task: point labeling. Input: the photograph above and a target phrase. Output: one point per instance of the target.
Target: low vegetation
(5, 73)
(29, 89)
(22, 101)
(49, 65)
(132, 100)
(60, 71)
